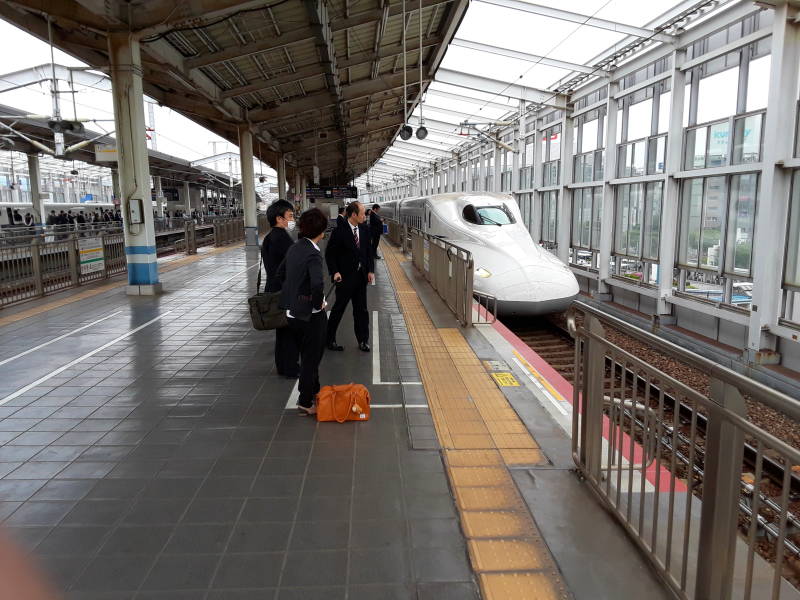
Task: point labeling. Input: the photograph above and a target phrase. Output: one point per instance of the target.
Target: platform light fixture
(406, 132)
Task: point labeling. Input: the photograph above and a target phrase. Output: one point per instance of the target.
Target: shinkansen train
(525, 278)
(75, 207)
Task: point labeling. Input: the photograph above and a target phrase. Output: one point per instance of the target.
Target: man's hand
(337, 277)
(371, 277)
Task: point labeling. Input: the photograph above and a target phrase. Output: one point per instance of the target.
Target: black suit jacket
(273, 250)
(345, 258)
(375, 226)
(302, 278)
(340, 220)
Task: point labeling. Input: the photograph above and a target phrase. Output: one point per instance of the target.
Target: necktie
(355, 235)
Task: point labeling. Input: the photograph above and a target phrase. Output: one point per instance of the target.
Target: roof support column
(775, 185)
(114, 184)
(603, 291)
(670, 204)
(160, 200)
(281, 170)
(565, 194)
(248, 187)
(36, 197)
(187, 199)
(134, 170)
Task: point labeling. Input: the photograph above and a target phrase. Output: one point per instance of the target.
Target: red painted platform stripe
(564, 387)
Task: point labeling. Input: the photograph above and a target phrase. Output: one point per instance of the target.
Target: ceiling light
(422, 133)
(406, 132)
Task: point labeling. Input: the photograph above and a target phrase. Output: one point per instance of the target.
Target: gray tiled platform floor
(166, 466)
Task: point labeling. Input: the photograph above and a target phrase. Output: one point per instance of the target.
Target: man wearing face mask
(277, 242)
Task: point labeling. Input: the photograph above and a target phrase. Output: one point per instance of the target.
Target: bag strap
(349, 408)
(258, 280)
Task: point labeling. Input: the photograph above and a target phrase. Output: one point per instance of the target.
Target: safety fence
(707, 495)
(43, 266)
(447, 268)
(35, 270)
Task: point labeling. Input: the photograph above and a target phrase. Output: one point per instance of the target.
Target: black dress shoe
(363, 346)
(334, 346)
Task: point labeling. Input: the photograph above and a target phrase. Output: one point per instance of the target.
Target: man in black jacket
(340, 220)
(303, 296)
(351, 266)
(375, 229)
(277, 242)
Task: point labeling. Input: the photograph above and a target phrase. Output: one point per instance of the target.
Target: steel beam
(564, 15)
(373, 15)
(295, 106)
(500, 88)
(463, 98)
(296, 36)
(534, 58)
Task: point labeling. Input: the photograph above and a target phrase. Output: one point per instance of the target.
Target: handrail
(685, 473)
(772, 398)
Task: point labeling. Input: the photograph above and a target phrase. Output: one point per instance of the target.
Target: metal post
(672, 187)
(607, 215)
(594, 370)
(248, 186)
(72, 256)
(281, 177)
(160, 200)
(774, 185)
(187, 199)
(140, 239)
(36, 266)
(724, 450)
(37, 200)
(565, 194)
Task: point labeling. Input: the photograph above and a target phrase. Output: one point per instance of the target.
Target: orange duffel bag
(343, 403)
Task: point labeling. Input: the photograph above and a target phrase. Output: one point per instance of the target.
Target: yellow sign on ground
(505, 379)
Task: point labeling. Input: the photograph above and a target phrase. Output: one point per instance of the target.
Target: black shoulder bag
(265, 310)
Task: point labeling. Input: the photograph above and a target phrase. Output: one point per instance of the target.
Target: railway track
(554, 344)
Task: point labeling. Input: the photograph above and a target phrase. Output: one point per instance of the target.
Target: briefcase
(265, 310)
(342, 403)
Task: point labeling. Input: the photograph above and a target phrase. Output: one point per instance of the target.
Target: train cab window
(487, 215)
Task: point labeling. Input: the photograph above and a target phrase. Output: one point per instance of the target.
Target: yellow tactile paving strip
(481, 436)
(94, 291)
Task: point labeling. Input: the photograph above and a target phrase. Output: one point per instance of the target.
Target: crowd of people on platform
(296, 269)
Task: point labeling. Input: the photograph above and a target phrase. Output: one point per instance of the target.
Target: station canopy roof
(508, 54)
(320, 81)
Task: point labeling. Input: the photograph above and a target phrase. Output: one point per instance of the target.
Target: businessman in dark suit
(277, 242)
(351, 266)
(340, 220)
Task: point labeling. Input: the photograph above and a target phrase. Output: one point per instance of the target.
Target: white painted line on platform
(399, 406)
(52, 374)
(237, 274)
(376, 349)
(537, 383)
(56, 339)
(294, 396)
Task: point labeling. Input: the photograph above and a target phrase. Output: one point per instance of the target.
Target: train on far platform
(526, 279)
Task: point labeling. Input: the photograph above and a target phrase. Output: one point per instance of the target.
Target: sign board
(105, 152)
(92, 258)
(315, 192)
(505, 379)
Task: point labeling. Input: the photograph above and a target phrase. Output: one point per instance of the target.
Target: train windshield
(487, 215)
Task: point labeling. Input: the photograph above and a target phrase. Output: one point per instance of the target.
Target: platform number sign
(92, 258)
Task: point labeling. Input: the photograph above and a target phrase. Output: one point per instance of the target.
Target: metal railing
(707, 496)
(43, 265)
(35, 270)
(448, 269)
